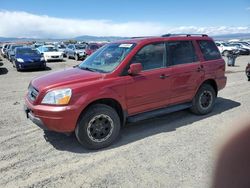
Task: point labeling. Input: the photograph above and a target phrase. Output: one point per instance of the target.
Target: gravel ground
(177, 150)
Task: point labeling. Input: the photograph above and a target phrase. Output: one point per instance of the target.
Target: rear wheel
(203, 102)
(98, 127)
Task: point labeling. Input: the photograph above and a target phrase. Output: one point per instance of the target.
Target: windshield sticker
(126, 45)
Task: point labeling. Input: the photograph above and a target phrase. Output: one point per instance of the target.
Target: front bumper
(34, 119)
(55, 118)
(30, 65)
(54, 58)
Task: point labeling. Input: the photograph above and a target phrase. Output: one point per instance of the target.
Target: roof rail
(141, 37)
(187, 35)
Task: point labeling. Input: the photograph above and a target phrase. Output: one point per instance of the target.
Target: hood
(64, 78)
(29, 57)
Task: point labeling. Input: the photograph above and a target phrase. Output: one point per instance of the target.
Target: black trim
(158, 112)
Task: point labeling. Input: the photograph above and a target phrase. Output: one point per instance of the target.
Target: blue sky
(126, 17)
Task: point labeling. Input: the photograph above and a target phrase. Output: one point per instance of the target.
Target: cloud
(23, 24)
(248, 8)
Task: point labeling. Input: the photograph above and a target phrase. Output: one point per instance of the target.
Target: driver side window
(151, 56)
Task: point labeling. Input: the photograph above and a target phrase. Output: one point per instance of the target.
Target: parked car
(50, 53)
(3, 50)
(225, 48)
(28, 58)
(91, 48)
(11, 51)
(242, 44)
(248, 71)
(240, 47)
(37, 45)
(128, 81)
(247, 44)
(76, 51)
(7, 49)
(61, 48)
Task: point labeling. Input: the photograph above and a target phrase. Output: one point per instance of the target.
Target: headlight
(42, 59)
(60, 97)
(20, 60)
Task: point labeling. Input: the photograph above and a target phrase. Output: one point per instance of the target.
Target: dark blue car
(28, 58)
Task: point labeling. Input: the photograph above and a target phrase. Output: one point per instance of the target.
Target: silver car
(76, 51)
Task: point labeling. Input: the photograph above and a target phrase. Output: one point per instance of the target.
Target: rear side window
(209, 50)
(181, 52)
(151, 56)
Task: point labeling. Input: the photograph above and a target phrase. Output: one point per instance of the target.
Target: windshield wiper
(87, 68)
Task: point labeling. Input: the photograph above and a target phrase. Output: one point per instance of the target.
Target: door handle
(163, 76)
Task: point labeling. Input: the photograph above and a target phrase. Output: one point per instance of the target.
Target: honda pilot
(128, 81)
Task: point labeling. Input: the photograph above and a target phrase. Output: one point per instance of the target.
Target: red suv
(128, 81)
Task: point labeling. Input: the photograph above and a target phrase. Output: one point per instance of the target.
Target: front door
(149, 89)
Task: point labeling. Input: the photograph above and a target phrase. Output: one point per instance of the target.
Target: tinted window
(93, 47)
(181, 52)
(26, 51)
(209, 50)
(80, 47)
(151, 56)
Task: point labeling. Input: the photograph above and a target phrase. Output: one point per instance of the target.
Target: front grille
(55, 56)
(32, 93)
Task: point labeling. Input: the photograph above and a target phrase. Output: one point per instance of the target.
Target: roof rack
(187, 35)
(141, 37)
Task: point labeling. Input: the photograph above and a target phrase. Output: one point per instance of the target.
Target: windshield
(61, 46)
(226, 44)
(27, 51)
(80, 47)
(93, 47)
(50, 49)
(13, 47)
(107, 58)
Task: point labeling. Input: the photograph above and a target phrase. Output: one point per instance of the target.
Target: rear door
(187, 70)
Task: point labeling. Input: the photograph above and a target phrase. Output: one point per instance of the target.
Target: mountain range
(113, 38)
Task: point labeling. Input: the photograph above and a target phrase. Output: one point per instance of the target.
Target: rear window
(209, 50)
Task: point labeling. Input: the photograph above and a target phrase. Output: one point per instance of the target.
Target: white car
(225, 48)
(50, 53)
(243, 44)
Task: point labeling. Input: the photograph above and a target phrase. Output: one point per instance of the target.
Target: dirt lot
(177, 150)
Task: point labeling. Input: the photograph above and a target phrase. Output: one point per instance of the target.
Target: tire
(76, 57)
(225, 53)
(204, 100)
(18, 69)
(98, 127)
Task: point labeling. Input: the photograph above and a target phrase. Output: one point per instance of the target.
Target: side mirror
(42, 54)
(135, 69)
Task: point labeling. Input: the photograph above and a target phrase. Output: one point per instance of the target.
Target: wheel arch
(211, 82)
(109, 102)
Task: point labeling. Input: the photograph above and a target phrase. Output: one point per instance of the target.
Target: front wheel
(203, 102)
(225, 53)
(76, 57)
(98, 127)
